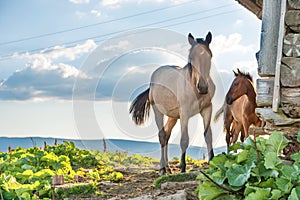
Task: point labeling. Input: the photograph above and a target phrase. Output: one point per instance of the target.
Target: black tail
(140, 108)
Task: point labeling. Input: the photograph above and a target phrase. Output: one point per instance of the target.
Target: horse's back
(166, 75)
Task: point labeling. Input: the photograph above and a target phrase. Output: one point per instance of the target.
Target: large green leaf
(219, 176)
(269, 183)
(276, 143)
(242, 156)
(249, 143)
(276, 194)
(261, 193)
(296, 157)
(250, 189)
(236, 146)
(262, 171)
(295, 194)
(261, 144)
(271, 160)
(290, 172)
(208, 191)
(218, 161)
(283, 184)
(238, 175)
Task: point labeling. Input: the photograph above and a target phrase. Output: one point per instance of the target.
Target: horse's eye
(235, 83)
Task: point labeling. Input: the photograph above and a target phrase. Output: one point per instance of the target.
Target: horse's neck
(252, 96)
(189, 69)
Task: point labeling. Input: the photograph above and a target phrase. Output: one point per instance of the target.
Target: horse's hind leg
(228, 120)
(206, 115)
(159, 119)
(184, 141)
(168, 129)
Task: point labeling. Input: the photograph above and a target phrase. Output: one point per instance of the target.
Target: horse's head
(200, 60)
(240, 86)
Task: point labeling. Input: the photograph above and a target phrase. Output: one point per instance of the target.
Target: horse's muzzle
(229, 100)
(202, 89)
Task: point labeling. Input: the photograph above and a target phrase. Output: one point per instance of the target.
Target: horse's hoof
(162, 171)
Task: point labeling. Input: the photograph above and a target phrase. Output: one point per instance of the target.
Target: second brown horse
(239, 108)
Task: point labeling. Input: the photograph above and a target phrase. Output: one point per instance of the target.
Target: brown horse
(239, 108)
(179, 93)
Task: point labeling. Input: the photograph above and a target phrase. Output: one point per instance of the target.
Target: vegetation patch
(28, 173)
(242, 176)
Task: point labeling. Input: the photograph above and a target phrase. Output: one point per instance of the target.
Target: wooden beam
(252, 6)
(290, 72)
(294, 4)
(276, 93)
(264, 90)
(269, 37)
(291, 45)
(290, 95)
(292, 20)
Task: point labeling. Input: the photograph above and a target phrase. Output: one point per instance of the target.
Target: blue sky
(105, 51)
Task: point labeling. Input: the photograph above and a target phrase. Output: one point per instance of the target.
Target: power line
(69, 44)
(95, 24)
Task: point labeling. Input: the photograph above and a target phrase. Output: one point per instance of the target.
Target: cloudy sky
(69, 68)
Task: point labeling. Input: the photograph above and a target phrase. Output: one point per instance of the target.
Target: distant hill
(144, 148)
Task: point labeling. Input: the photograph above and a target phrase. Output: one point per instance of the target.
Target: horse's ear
(208, 38)
(239, 71)
(191, 39)
(235, 74)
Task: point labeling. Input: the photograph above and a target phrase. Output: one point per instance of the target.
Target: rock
(174, 185)
(144, 197)
(179, 195)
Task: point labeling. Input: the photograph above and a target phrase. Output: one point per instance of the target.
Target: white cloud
(80, 14)
(222, 44)
(97, 13)
(70, 53)
(238, 23)
(178, 1)
(79, 1)
(45, 77)
(43, 63)
(42, 80)
(120, 45)
(117, 3)
(113, 3)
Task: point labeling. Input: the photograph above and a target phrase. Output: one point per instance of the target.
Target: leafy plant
(242, 176)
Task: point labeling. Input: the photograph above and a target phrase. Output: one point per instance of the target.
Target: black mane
(246, 74)
(201, 41)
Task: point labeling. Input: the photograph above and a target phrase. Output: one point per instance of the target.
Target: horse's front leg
(206, 115)
(184, 142)
(235, 132)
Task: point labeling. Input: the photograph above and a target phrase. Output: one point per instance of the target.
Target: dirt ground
(139, 182)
